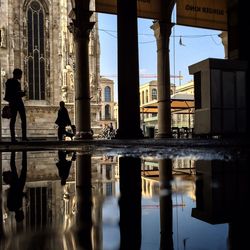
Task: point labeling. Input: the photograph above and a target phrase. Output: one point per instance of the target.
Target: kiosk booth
(220, 97)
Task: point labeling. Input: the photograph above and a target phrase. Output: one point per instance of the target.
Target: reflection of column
(130, 203)
(128, 71)
(1, 200)
(238, 236)
(81, 28)
(84, 201)
(227, 202)
(162, 31)
(166, 204)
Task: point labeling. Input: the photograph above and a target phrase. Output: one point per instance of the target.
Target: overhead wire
(212, 35)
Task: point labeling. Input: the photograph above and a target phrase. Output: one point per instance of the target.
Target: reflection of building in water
(221, 191)
(105, 176)
(44, 203)
(183, 173)
(220, 187)
(69, 205)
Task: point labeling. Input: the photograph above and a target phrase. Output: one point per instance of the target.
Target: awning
(180, 103)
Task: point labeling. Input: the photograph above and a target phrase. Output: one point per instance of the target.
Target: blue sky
(197, 44)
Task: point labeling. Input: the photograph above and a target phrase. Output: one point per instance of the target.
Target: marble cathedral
(35, 37)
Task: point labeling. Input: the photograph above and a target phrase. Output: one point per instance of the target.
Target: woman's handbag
(6, 112)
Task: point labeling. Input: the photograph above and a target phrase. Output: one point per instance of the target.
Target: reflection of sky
(187, 230)
(198, 234)
(110, 218)
(150, 224)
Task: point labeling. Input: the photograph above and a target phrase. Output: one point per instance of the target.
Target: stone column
(128, 71)
(81, 27)
(162, 32)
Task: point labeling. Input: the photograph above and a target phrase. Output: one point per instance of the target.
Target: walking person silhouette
(15, 192)
(13, 95)
(63, 121)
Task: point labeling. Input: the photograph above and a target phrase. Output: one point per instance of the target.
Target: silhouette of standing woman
(15, 192)
(13, 95)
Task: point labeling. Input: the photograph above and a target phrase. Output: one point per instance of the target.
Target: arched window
(107, 94)
(143, 98)
(107, 112)
(154, 94)
(36, 50)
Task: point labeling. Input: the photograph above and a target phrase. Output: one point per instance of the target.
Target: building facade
(184, 118)
(149, 108)
(34, 36)
(107, 111)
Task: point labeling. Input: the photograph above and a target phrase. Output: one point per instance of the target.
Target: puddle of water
(74, 200)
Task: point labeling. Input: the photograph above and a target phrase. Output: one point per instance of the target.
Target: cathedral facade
(35, 37)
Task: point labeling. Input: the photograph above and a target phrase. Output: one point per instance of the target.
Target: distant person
(13, 95)
(15, 192)
(111, 128)
(111, 131)
(63, 121)
(64, 165)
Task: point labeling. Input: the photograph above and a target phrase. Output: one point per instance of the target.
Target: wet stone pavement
(111, 194)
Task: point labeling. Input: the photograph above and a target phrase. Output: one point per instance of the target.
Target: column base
(82, 135)
(163, 135)
(136, 134)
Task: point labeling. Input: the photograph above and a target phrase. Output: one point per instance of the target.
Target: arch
(107, 94)
(36, 36)
(154, 94)
(107, 112)
(44, 3)
(143, 98)
(146, 97)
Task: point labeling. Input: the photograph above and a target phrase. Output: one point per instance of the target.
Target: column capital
(81, 24)
(161, 28)
(81, 31)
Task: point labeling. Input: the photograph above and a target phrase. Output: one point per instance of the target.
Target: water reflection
(221, 192)
(166, 204)
(124, 202)
(83, 223)
(15, 191)
(64, 164)
(130, 203)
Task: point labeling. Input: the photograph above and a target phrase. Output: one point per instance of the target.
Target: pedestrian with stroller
(63, 121)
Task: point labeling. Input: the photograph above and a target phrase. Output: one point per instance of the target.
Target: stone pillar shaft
(162, 31)
(82, 93)
(81, 29)
(128, 71)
